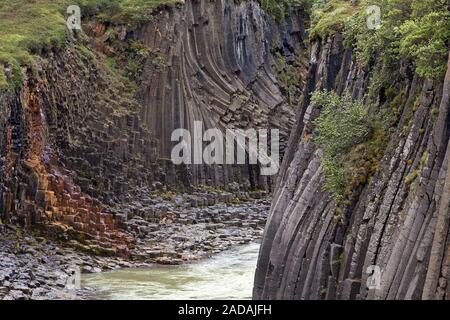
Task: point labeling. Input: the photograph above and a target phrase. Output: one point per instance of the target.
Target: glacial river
(228, 275)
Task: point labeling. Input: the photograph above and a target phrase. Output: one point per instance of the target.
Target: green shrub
(279, 8)
(382, 44)
(342, 125)
(129, 12)
(330, 17)
(425, 40)
(353, 142)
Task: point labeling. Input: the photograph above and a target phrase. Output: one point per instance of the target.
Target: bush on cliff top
(329, 17)
(27, 27)
(425, 40)
(418, 30)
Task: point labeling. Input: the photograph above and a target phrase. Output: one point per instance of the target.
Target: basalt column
(213, 62)
(37, 191)
(397, 220)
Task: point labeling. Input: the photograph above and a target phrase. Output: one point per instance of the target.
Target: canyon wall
(71, 147)
(397, 219)
(80, 137)
(217, 66)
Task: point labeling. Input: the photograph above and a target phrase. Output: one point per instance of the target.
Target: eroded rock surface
(398, 220)
(176, 231)
(215, 64)
(80, 140)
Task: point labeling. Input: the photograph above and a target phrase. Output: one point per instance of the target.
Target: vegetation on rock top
(329, 17)
(27, 28)
(278, 9)
(416, 30)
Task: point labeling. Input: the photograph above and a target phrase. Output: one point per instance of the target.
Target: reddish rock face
(40, 191)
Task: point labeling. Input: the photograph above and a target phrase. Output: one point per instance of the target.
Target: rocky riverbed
(169, 230)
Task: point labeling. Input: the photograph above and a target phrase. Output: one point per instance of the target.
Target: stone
(3, 291)
(16, 295)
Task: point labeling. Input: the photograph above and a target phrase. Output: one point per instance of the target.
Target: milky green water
(228, 275)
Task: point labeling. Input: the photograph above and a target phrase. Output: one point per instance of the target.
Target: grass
(25, 26)
(128, 12)
(29, 27)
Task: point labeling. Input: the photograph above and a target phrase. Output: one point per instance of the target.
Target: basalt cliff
(396, 220)
(86, 121)
(88, 128)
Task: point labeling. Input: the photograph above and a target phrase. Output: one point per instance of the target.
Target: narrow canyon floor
(176, 236)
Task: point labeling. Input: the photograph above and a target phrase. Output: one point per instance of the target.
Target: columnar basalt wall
(398, 220)
(93, 120)
(215, 64)
(73, 147)
(37, 189)
(78, 140)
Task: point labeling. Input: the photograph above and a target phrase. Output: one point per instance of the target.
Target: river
(228, 275)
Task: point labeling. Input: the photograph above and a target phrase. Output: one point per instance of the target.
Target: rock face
(397, 221)
(77, 140)
(215, 65)
(37, 187)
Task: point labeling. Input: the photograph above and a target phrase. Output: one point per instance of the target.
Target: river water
(228, 275)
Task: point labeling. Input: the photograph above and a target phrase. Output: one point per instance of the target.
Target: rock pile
(185, 234)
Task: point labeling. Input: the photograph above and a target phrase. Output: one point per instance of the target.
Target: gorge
(86, 119)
